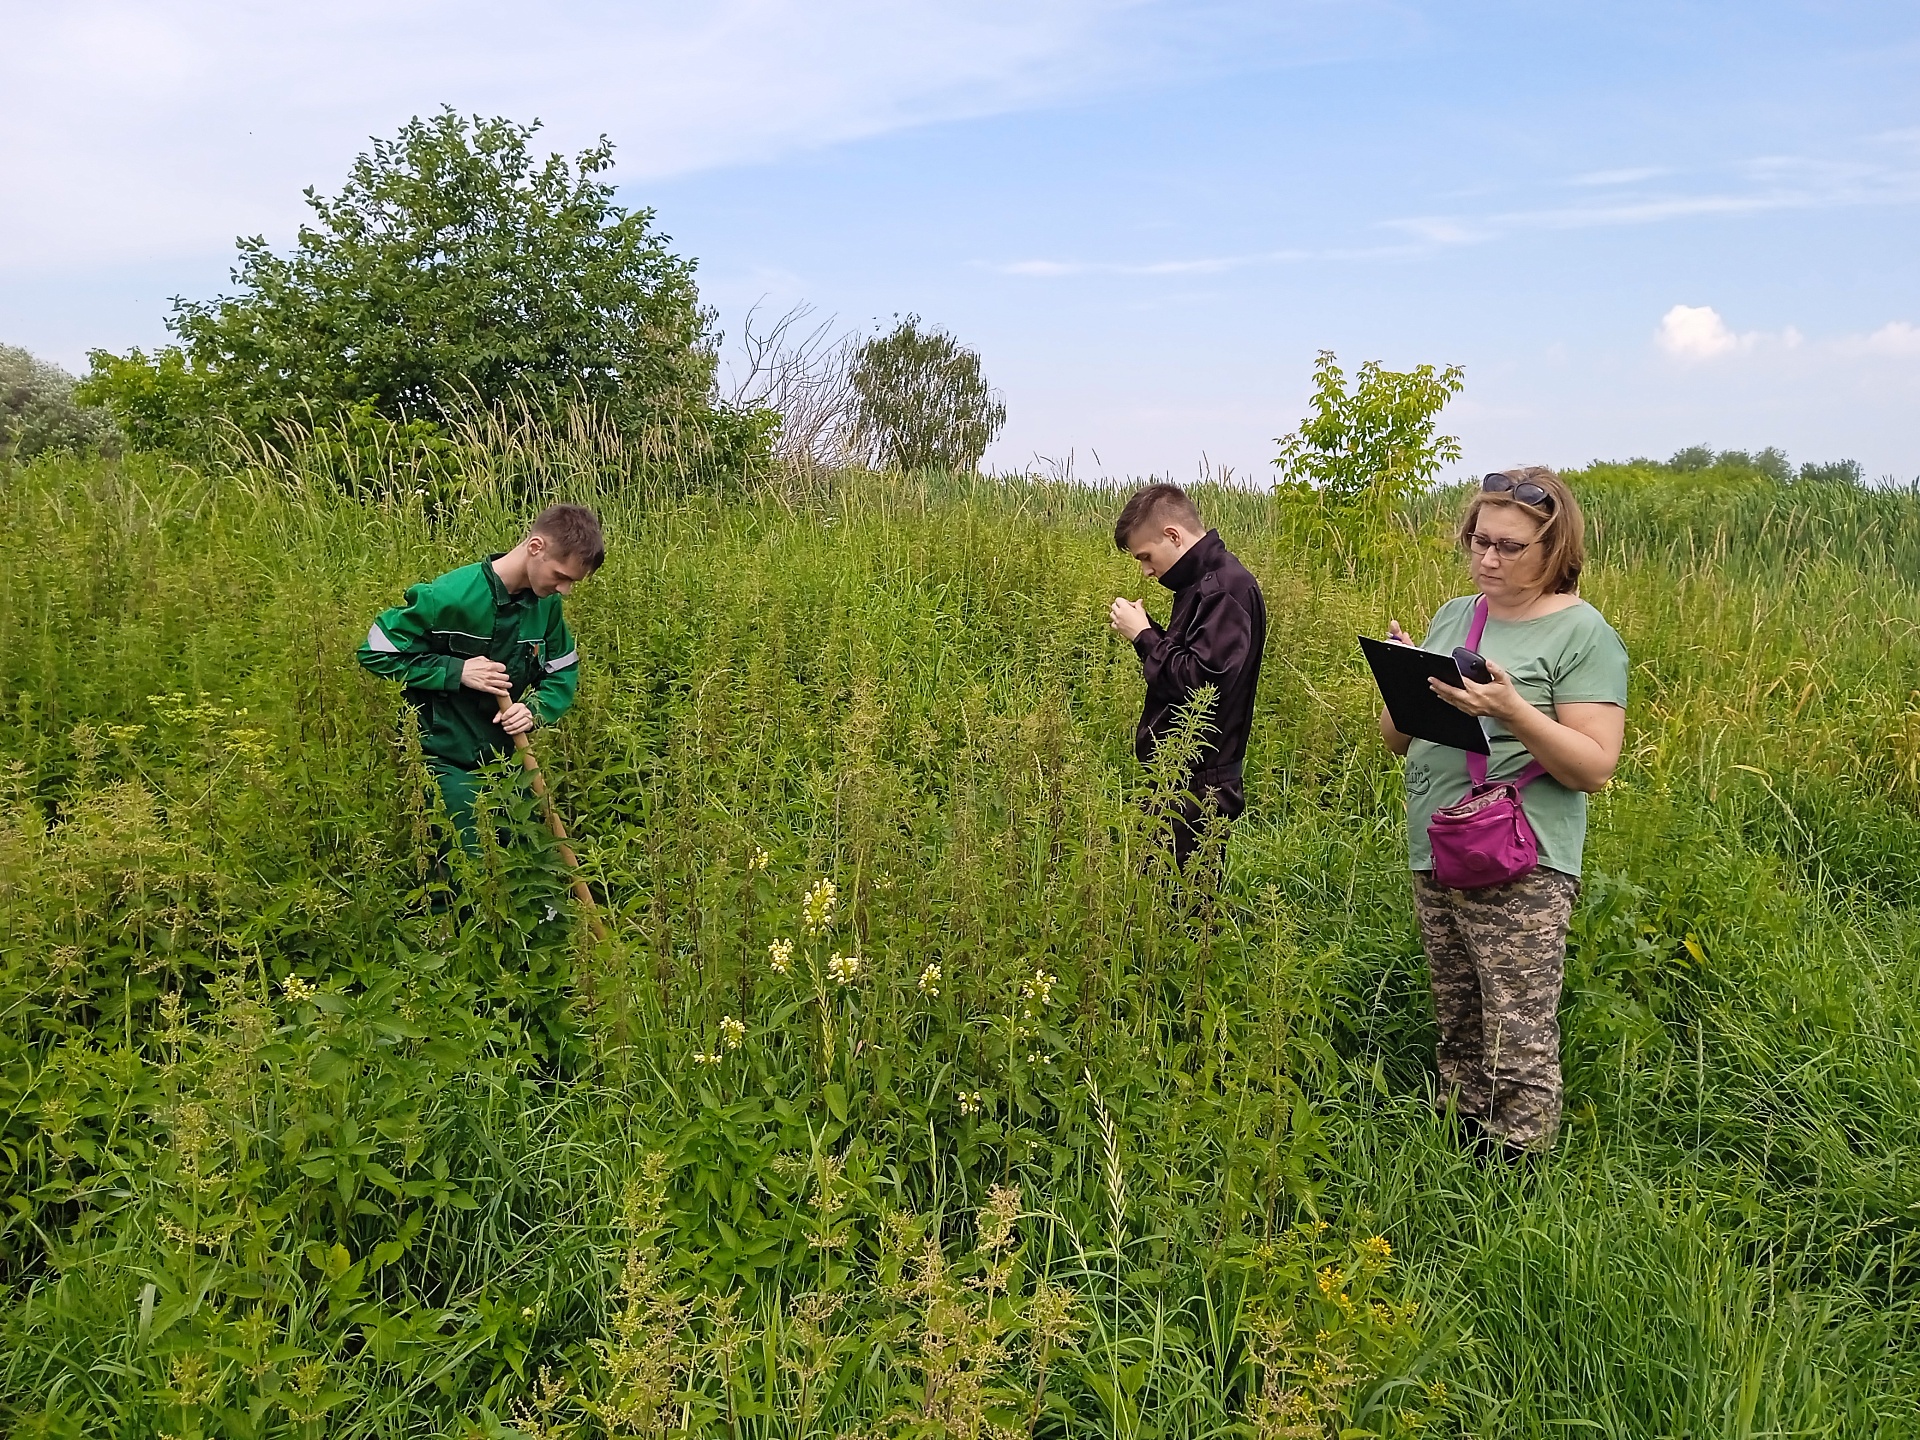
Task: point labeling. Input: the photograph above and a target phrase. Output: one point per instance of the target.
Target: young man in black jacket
(1215, 637)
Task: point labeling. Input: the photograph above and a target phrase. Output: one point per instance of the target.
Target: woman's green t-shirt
(1568, 656)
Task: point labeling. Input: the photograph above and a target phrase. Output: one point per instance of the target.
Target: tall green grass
(299, 1143)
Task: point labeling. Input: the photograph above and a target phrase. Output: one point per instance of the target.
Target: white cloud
(1696, 332)
(1699, 333)
(1895, 340)
(1896, 337)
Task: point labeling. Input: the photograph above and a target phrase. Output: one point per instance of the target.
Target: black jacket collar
(1207, 552)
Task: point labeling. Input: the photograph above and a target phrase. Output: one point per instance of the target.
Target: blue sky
(1638, 226)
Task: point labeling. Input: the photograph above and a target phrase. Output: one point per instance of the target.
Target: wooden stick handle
(524, 748)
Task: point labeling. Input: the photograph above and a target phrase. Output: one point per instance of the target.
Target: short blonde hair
(1563, 535)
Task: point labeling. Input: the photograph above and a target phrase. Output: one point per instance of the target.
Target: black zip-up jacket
(1215, 636)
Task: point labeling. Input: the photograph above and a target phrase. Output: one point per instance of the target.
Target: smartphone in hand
(1473, 665)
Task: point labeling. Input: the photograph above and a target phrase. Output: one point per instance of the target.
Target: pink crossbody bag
(1485, 838)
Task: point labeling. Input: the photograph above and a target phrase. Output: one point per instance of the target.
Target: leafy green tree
(160, 401)
(1375, 442)
(1695, 457)
(921, 402)
(453, 268)
(39, 413)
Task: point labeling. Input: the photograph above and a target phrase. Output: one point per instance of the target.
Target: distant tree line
(1771, 463)
(458, 272)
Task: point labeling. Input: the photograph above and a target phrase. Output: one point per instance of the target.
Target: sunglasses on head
(1525, 491)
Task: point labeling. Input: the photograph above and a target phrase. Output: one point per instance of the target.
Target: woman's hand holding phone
(1472, 665)
(1497, 697)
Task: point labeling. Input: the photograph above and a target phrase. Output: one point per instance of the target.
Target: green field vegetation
(296, 1146)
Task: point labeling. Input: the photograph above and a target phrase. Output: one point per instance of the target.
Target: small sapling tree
(921, 402)
(1376, 442)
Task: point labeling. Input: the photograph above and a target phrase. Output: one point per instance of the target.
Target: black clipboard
(1402, 672)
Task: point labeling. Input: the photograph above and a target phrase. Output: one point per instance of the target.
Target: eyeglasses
(1525, 491)
(1509, 549)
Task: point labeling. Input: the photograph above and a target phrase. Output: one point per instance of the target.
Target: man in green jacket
(484, 631)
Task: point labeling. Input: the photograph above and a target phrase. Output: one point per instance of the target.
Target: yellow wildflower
(1036, 992)
(844, 969)
(816, 911)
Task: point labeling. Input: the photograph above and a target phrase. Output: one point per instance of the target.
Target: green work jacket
(423, 642)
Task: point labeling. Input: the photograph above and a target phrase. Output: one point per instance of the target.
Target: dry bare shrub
(798, 367)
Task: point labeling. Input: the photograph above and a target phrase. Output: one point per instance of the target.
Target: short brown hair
(1564, 533)
(1146, 505)
(574, 531)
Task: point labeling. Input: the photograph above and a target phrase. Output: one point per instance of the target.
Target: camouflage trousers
(1496, 958)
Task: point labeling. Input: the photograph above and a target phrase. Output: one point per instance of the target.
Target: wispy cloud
(1199, 265)
(1442, 229)
(1760, 185)
(137, 129)
(1757, 186)
(1195, 265)
(1632, 175)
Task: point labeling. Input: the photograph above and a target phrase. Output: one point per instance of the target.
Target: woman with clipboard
(1495, 840)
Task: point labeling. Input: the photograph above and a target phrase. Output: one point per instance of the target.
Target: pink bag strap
(1477, 764)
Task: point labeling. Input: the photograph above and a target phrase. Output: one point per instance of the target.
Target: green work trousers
(460, 788)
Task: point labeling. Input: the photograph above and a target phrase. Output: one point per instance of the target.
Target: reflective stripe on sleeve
(571, 657)
(378, 642)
